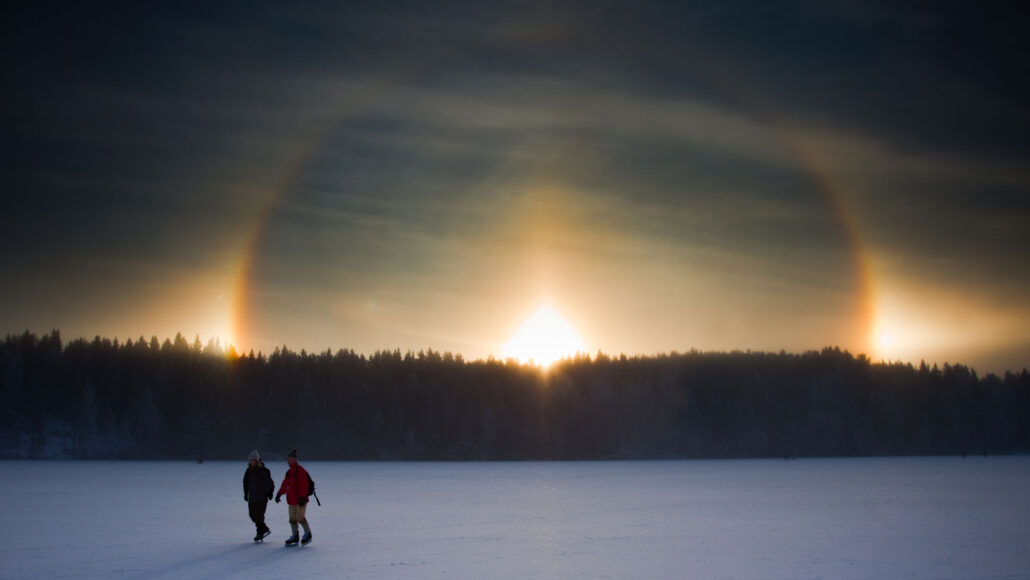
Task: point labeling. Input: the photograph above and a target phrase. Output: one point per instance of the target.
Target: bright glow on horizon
(914, 324)
(545, 337)
(885, 342)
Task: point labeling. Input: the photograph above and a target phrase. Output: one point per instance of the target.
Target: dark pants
(257, 514)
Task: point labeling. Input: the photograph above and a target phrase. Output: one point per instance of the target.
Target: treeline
(176, 399)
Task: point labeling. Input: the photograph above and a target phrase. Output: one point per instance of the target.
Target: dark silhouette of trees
(177, 399)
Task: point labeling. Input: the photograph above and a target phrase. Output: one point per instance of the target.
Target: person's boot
(295, 537)
(306, 538)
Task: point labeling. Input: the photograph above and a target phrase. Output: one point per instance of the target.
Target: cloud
(706, 169)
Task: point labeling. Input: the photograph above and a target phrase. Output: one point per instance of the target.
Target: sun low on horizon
(544, 338)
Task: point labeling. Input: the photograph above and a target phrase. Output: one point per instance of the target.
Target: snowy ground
(833, 518)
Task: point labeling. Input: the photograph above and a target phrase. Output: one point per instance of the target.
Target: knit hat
(254, 455)
(293, 454)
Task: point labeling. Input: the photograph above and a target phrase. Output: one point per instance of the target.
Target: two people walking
(297, 485)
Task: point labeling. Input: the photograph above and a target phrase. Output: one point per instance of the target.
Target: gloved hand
(277, 498)
(269, 497)
(246, 497)
(302, 501)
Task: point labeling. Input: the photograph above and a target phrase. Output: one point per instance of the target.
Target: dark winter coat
(295, 485)
(257, 483)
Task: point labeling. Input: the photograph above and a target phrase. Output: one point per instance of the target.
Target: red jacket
(295, 485)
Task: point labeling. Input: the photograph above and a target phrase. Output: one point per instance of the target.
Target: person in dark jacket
(258, 488)
(296, 486)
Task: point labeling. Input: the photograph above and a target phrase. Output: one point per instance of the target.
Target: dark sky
(665, 176)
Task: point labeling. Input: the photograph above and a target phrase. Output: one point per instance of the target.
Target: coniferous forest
(180, 400)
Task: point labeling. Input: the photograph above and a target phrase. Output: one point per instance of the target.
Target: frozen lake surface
(926, 518)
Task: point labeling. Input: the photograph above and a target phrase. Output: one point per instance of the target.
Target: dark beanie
(293, 454)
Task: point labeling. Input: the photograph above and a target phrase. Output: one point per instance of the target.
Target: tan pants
(298, 516)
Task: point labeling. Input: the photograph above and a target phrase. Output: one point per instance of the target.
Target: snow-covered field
(830, 518)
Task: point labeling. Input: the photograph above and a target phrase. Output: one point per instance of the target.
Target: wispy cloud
(666, 171)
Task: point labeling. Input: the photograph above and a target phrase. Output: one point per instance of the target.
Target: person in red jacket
(296, 487)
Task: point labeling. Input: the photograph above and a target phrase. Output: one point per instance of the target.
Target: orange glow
(545, 337)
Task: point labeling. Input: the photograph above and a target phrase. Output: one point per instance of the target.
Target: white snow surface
(919, 518)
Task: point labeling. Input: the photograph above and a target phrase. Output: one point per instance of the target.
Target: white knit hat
(254, 455)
